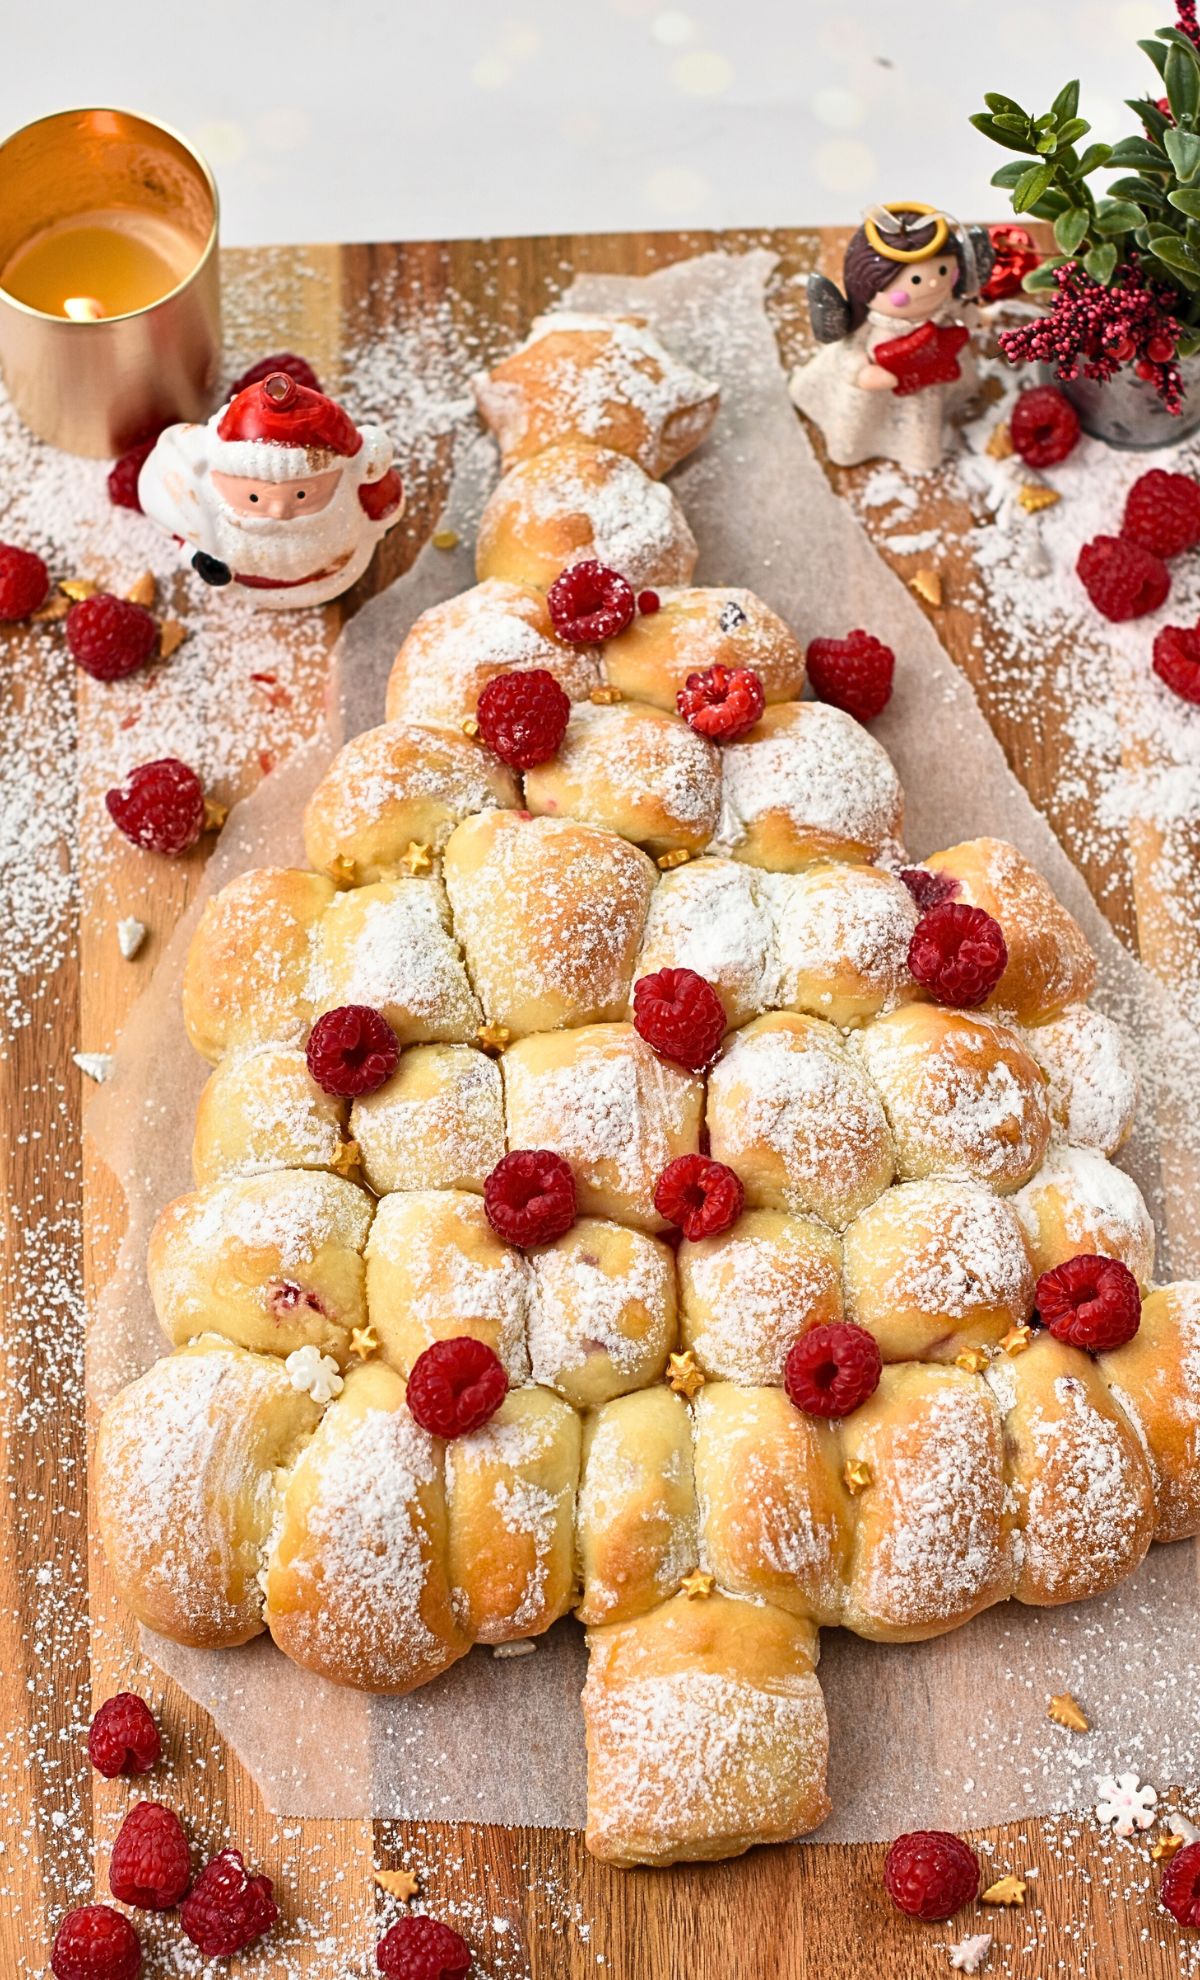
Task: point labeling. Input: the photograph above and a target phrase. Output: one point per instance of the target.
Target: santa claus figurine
(280, 495)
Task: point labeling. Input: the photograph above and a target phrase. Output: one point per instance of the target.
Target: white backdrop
(380, 119)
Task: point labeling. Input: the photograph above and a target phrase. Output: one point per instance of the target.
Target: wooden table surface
(532, 1902)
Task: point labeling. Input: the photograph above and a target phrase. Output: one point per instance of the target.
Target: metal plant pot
(1127, 411)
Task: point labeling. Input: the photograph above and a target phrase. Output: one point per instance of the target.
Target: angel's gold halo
(899, 208)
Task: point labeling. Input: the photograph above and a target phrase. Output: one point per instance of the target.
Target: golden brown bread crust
(437, 1123)
(246, 980)
(637, 1520)
(510, 1496)
(390, 945)
(746, 1294)
(395, 787)
(601, 1317)
(632, 770)
(1155, 1378)
(573, 502)
(807, 783)
(1050, 961)
(455, 648)
(699, 627)
(937, 1267)
(1077, 1202)
(261, 1109)
(436, 1269)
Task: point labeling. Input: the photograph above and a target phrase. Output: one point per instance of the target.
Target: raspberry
(930, 1874)
(588, 603)
(110, 637)
(123, 475)
(423, 1949)
(296, 367)
(1180, 1886)
(523, 716)
(150, 1864)
(1122, 580)
(24, 583)
(1044, 426)
(352, 1050)
(160, 806)
(123, 1738)
(699, 1195)
(530, 1197)
(958, 953)
(1177, 660)
(455, 1386)
(1162, 513)
(1090, 1302)
(928, 889)
(722, 703)
(96, 1943)
(228, 1909)
(681, 1015)
(830, 1370)
(853, 674)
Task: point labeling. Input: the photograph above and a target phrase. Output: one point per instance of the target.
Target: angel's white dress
(859, 425)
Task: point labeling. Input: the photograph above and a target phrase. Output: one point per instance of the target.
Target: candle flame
(83, 309)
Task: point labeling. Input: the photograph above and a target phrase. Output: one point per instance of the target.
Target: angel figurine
(895, 353)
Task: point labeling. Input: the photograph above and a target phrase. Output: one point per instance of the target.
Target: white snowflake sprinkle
(969, 1954)
(523, 1648)
(131, 933)
(1180, 1826)
(1124, 1805)
(94, 1065)
(313, 1373)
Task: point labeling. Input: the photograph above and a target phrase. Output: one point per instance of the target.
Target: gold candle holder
(110, 309)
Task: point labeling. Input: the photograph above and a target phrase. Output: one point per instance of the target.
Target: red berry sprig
(832, 1369)
(1090, 1302)
(529, 1197)
(701, 1197)
(930, 1874)
(456, 1386)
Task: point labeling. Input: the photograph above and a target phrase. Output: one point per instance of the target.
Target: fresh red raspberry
(123, 475)
(853, 674)
(681, 1015)
(1177, 660)
(24, 583)
(96, 1943)
(523, 716)
(227, 1908)
(150, 1863)
(110, 637)
(352, 1050)
(589, 603)
(455, 1386)
(1044, 426)
(530, 1197)
(123, 1738)
(648, 603)
(722, 703)
(1162, 513)
(160, 806)
(1122, 580)
(1090, 1302)
(423, 1949)
(930, 1874)
(830, 1370)
(699, 1195)
(928, 889)
(296, 367)
(1180, 1886)
(958, 953)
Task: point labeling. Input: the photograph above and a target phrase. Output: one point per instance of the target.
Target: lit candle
(96, 265)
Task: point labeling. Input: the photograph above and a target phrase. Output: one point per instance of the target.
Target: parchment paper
(955, 1728)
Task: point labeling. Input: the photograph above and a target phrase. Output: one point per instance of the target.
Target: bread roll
(262, 1109)
(357, 1584)
(618, 1113)
(697, 628)
(807, 783)
(394, 787)
(602, 380)
(842, 936)
(1092, 1077)
(637, 1517)
(437, 1123)
(706, 1732)
(510, 1492)
(746, 1295)
(935, 1267)
(601, 1312)
(632, 770)
(391, 946)
(184, 1484)
(1050, 962)
(962, 1094)
(573, 503)
(1078, 1202)
(246, 979)
(798, 1119)
(273, 1262)
(455, 648)
(435, 1270)
(712, 916)
(550, 916)
(1155, 1378)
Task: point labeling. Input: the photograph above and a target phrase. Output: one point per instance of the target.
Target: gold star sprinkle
(684, 1376)
(493, 1037)
(696, 1585)
(1017, 1339)
(346, 1158)
(1000, 442)
(973, 1359)
(927, 585)
(364, 1342)
(469, 726)
(1034, 495)
(54, 608)
(215, 814)
(77, 588)
(1067, 1711)
(856, 1476)
(416, 857)
(445, 539)
(341, 869)
(1005, 1890)
(398, 1883)
(171, 635)
(679, 856)
(1167, 1846)
(145, 591)
(606, 697)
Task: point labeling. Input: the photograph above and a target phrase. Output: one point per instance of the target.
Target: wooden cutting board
(533, 1903)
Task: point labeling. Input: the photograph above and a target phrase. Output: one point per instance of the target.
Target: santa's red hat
(278, 430)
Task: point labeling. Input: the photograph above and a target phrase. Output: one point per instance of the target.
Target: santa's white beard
(286, 550)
